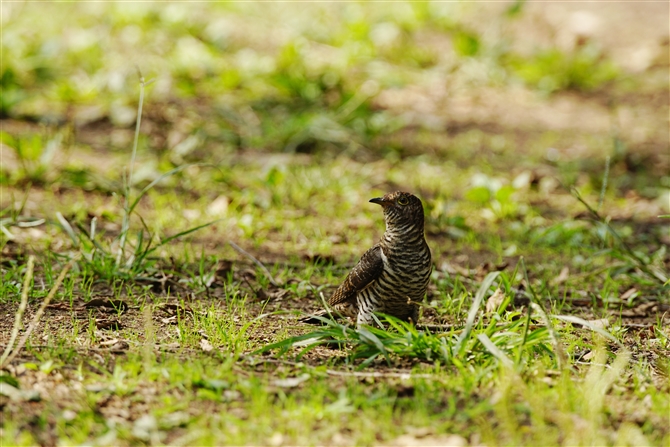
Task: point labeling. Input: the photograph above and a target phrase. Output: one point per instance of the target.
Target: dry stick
(22, 309)
(256, 261)
(382, 375)
(40, 311)
(332, 372)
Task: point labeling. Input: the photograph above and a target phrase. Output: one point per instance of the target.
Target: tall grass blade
(369, 338)
(496, 351)
(129, 179)
(474, 309)
(68, 228)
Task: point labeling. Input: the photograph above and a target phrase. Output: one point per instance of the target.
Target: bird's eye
(403, 201)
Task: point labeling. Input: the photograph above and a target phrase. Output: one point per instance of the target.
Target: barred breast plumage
(392, 276)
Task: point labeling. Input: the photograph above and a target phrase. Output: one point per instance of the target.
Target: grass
(203, 220)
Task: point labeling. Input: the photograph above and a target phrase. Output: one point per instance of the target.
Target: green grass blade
(496, 351)
(474, 310)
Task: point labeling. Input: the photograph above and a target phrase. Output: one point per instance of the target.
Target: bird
(393, 275)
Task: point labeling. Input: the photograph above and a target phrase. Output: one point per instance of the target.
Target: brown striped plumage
(393, 275)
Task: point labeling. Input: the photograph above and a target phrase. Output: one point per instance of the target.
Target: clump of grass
(507, 338)
(113, 261)
(585, 69)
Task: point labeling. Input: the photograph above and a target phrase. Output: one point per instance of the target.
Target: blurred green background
(456, 101)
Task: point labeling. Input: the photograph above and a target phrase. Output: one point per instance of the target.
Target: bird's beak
(381, 201)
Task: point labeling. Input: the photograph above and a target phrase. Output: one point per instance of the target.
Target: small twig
(22, 308)
(40, 311)
(256, 261)
(332, 372)
(392, 375)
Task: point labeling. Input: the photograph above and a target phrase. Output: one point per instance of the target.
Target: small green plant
(552, 70)
(35, 154)
(497, 197)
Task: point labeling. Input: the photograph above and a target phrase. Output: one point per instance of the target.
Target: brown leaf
(628, 294)
(223, 267)
(494, 302)
(108, 323)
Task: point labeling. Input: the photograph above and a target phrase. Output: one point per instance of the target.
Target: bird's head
(401, 208)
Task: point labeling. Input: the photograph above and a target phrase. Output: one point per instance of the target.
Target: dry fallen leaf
(108, 323)
(628, 294)
(562, 277)
(290, 382)
(601, 323)
(219, 207)
(494, 302)
(205, 345)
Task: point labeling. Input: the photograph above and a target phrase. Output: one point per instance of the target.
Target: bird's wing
(367, 270)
